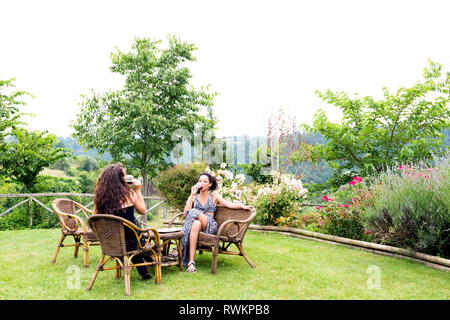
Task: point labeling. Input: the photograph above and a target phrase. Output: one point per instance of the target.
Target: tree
(405, 126)
(28, 155)
(135, 124)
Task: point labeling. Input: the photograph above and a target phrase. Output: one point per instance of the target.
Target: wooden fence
(31, 197)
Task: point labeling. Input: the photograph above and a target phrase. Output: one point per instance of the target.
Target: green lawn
(287, 268)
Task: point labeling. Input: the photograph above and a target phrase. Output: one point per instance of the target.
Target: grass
(287, 268)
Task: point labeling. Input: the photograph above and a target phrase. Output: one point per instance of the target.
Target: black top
(130, 238)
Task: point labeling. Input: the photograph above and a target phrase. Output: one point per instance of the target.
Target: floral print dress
(191, 216)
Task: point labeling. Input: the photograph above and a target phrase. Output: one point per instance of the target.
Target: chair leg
(99, 267)
(118, 270)
(158, 269)
(180, 257)
(215, 253)
(77, 246)
(60, 244)
(241, 250)
(127, 271)
(86, 254)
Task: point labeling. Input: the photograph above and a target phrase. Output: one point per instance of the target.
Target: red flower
(325, 198)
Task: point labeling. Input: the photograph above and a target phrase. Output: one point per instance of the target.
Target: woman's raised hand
(136, 184)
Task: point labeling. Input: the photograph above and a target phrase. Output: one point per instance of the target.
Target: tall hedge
(175, 183)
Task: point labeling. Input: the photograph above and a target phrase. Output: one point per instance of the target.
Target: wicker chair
(110, 230)
(233, 225)
(74, 226)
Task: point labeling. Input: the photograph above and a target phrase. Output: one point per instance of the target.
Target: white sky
(258, 55)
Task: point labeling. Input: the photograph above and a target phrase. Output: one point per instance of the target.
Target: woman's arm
(189, 203)
(138, 199)
(231, 205)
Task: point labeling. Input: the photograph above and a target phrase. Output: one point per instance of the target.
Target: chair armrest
(135, 228)
(180, 215)
(242, 225)
(84, 210)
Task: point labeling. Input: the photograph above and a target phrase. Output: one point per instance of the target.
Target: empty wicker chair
(110, 231)
(74, 226)
(233, 225)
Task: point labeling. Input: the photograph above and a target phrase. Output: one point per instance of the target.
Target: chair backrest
(65, 206)
(110, 232)
(224, 214)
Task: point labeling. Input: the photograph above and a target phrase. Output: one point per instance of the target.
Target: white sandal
(191, 267)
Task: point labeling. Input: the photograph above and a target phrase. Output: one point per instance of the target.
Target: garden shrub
(343, 221)
(272, 208)
(175, 183)
(411, 208)
(256, 172)
(309, 220)
(279, 200)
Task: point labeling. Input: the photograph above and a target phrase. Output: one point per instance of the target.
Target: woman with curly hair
(113, 196)
(199, 211)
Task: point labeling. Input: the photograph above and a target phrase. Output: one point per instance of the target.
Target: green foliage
(343, 221)
(28, 155)
(9, 111)
(19, 218)
(275, 207)
(136, 124)
(256, 171)
(411, 208)
(402, 127)
(175, 183)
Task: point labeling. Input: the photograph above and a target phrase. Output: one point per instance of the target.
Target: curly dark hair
(111, 191)
(211, 179)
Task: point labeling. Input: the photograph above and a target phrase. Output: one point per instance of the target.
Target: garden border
(428, 260)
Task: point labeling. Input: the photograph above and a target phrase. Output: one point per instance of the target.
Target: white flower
(240, 178)
(223, 165)
(228, 175)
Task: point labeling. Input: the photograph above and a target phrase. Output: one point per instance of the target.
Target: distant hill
(241, 149)
(78, 150)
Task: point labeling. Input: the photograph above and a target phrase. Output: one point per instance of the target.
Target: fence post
(30, 210)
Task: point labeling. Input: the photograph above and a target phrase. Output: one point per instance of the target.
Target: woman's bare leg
(193, 238)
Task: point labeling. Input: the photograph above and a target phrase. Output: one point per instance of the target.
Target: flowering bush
(272, 200)
(411, 207)
(281, 198)
(311, 221)
(343, 221)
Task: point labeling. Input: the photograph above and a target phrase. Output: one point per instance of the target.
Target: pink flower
(345, 205)
(325, 198)
(318, 208)
(358, 179)
(352, 182)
